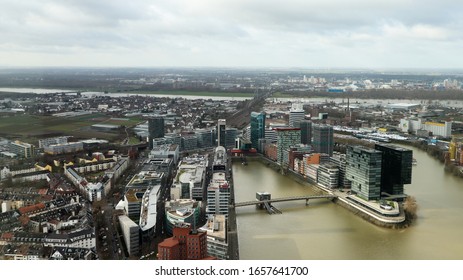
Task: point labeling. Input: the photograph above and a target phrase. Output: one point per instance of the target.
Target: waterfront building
(286, 137)
(270, 135)
(328, 176)
(22, 150)
(218, 195)
(311, 172)
(217, 239)
(296, 151)
(306, 131)
(339, 160)
(364, 171)
(130, 233)
(271, 151)
(456, 150)
(221, 128)
(396, 168)
(218, 191)
(257, 128)
(296, 115)
(323, 138)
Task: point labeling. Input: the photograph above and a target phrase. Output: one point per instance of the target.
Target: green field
(195, 93)
(30, 128)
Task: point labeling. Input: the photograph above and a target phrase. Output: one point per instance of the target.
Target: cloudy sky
(233, 33)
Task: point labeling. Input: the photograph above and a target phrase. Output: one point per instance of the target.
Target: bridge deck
(281, 199)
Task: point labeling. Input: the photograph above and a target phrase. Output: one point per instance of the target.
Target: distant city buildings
(424, 128)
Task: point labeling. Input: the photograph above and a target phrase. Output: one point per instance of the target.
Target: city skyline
(316, 34)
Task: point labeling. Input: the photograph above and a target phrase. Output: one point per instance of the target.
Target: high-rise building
(296, 115)
(155, 129)
(205, 138)
(396, 168)
(286, 137)
(323, 138)
(221, 127)
(257, 128)
(230, 136)
(306, 131)
(340, 161)
(364, 171)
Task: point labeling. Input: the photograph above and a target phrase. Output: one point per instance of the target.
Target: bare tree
(410, 208)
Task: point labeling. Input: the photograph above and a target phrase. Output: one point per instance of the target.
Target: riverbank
(346, 201)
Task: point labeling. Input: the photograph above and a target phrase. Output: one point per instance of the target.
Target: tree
(410, 208)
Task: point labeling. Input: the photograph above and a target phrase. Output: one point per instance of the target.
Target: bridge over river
(266, 203)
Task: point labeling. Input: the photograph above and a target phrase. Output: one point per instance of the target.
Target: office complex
(306, 131)
(230, 136)
(155, 129)
(221, 127)
(396, 168)
(364, 171)
(296, 115)
(257, 128)
(323, 139)
(218, 191)
(286, 137)
(328, 176)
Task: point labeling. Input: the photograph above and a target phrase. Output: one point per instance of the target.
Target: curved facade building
(182, 211)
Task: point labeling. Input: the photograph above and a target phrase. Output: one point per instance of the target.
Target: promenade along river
(326, 231)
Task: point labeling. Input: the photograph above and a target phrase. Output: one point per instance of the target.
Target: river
(326, 231)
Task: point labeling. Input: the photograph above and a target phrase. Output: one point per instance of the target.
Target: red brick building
(186, 244)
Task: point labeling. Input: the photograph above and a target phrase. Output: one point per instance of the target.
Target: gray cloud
(334, 33)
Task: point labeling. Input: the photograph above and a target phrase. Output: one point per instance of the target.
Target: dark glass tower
(306, 132)
(221, 128)
(396, 168)
(257, 128)
(323, 139)
(155, 129)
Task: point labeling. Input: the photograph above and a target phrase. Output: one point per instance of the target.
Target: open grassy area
(196, 93)
(30, 128)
